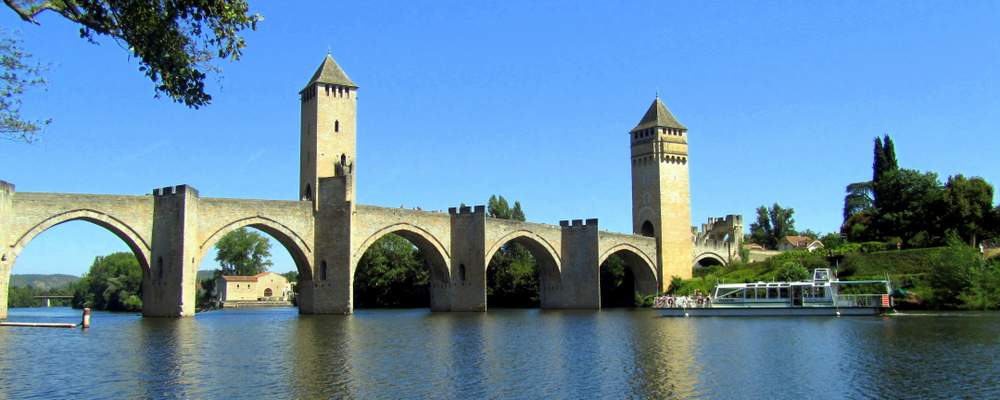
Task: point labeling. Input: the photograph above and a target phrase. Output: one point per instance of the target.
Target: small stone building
(265, 286)
(799, 242)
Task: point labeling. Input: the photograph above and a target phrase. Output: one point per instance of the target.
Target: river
(276, 353)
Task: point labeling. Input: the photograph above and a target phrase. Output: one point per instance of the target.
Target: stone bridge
(172, 229)
(718, 241)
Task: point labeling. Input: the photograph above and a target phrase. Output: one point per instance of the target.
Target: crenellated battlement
(6, 187)
(578, 223)
(466, 210)
(175, 190)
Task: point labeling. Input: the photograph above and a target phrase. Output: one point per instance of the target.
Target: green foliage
(206, 291)
(791, 271)
(617, 284)
(906, 206)
(675, 283)
(984, 292)
(858, 199)
(967, 206)
(17, 75)
(772, 224)
(174, 42)
(113, 283)
(243, 252)
(24, 296)
(833, 240)
(512, 278)
(392, 273)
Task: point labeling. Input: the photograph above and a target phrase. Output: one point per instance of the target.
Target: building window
(159, 267)
(322, 270)
(268, 292)
(336, 126)
(461, 272)
(308, 195)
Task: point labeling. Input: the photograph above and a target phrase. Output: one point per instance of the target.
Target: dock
(39, 324)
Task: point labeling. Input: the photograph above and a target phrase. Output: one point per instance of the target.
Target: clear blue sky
(532, 100)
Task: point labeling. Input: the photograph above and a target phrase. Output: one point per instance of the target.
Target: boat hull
(769, 311)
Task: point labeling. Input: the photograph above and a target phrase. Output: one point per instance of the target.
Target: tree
(791, 271)
(858, 199)
(772, 224)
(113, 283)
(392, 273)
(967, 204)
(512, 275)
(175, 42)
(16, 76)
(907, 203)
(243, 252)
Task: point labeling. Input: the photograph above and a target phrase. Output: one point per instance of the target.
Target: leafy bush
(791, 271)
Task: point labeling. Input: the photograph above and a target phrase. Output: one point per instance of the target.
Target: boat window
(820, 291)
(772, 293)
(783, 293)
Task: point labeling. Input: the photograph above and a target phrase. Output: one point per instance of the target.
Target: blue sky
(532, 100)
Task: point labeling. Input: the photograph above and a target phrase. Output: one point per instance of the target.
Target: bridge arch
(541, 249)
(708, 258)
(135, 242)
(296, 246)
(641, 267)
(546, 258)
(435, 253)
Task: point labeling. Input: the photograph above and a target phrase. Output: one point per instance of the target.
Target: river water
(276, 353)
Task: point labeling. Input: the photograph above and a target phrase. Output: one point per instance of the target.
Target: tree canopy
(113, 283)
(771, 225)
(176, 43)
(512, 276)
(17, 75)
(243, 252)
(392, 273)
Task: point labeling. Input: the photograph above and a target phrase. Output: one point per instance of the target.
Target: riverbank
(941, 278)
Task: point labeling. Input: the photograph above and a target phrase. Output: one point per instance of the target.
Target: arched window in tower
(336, 126)
(648, 230)
(461, 272)
(343, 159)
(308, 194)
(322, 270)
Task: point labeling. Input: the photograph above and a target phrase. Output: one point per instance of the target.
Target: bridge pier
(6, 238)
(168, 288)
(332, 288)
(468, 258)
(581, 285)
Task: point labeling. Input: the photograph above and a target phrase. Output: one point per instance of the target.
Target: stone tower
(328, 118)
(661, 197)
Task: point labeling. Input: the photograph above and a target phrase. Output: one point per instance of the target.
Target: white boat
(823, 295)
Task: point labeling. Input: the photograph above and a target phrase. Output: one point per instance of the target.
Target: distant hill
(43, 281)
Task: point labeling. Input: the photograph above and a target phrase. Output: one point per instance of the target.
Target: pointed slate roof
(659, 116)
(330, 72)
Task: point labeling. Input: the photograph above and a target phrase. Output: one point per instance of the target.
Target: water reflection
(277, 353)
(665, 363)
(320, 362)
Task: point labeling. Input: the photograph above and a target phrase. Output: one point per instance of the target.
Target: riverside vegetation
(926, 236)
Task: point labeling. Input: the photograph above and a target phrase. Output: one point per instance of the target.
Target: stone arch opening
(132, 259)
(307, 195)
(401, 266)
(522, 271)
(627, 277)
(707, 260)
(294, 244)
(648, 230)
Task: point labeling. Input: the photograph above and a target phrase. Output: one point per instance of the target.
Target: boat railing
(862, 300)
(682, 302)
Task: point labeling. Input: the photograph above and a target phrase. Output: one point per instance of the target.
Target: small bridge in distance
(48, 299)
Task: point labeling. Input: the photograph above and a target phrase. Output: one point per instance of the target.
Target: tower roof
(330, 72)
(659, 116)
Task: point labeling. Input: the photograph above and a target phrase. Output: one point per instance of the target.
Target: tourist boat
(823, 295)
